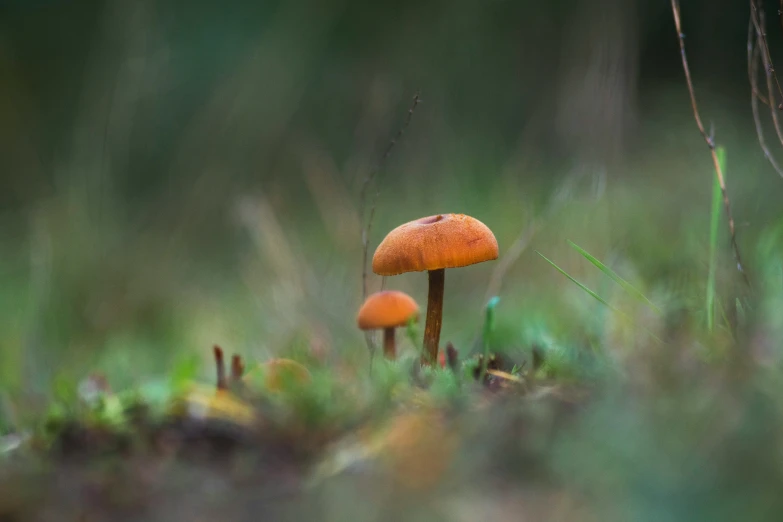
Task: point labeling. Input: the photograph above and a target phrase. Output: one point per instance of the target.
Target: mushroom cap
(387, 309)
(435, 242)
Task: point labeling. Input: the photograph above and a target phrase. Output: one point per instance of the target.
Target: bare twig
(237, 368)
(708, 139)
(365, 185)
(367, 226)
(758, 20)
(754, 56)
(757, 16)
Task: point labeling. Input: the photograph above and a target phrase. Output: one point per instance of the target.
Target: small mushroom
(387, 310)
(434, 243)
(279, 374)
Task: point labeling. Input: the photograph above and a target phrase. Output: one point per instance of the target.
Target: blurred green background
(175, 176)
(178, 176)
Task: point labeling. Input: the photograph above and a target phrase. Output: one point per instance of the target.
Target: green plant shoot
(489, 322)
(714, 222)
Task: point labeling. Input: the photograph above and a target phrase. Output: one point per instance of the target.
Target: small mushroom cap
(435, 242)
(279, 373)
(387, 309)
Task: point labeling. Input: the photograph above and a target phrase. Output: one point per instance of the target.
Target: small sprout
(237, 368)
(489, 324)
(220, 366)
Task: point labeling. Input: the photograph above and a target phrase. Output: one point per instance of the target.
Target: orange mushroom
(435, 243)
(387, 310)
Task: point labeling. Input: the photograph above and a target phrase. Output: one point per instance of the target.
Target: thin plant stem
(754, 56)
(759, 22)
(365, 186)
(708, 140)
(367, 226)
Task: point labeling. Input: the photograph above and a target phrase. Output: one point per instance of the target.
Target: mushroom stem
(434, 315)
(389, 350)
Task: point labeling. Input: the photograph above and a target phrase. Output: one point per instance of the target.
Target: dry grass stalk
(754, 56)
(708, 140)
(365, 185)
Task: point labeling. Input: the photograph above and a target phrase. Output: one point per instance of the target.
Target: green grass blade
(580, 285)
(594, 295)
(714, 222)
(628, 287)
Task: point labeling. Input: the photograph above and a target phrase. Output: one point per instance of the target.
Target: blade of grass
(714, 221)
(580, 285)
(628, 287)
(594, 295)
